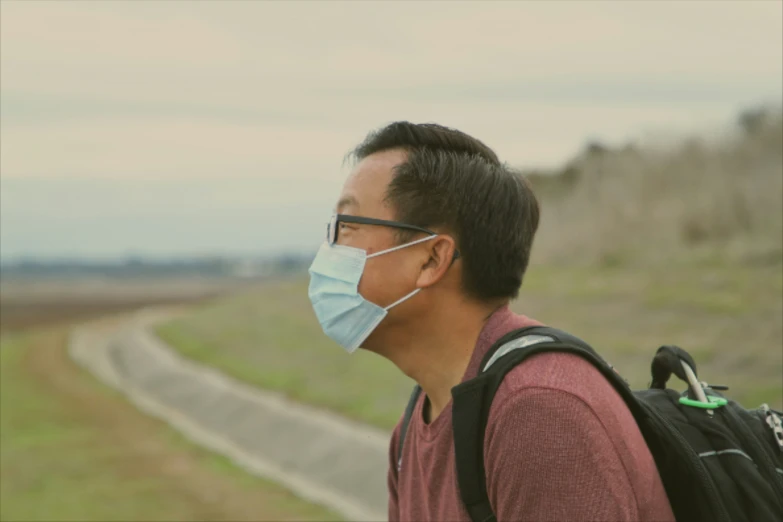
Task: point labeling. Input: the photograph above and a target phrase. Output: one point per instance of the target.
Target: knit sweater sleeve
(549, 457)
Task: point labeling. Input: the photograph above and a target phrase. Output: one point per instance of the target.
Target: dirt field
(75, 450)
(27, 304)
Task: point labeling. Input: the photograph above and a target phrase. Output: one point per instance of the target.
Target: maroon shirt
(560, 445)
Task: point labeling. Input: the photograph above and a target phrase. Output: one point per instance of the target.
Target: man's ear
(441, 254)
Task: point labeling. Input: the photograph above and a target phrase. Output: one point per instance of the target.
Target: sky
(194, 128)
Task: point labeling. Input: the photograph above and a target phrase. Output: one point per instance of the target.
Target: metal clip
(697, 389)
(719, 387)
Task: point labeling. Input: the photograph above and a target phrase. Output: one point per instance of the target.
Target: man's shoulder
(560, 438)
(553, 390)
(557, 374)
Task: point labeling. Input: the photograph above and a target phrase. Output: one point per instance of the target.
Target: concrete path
(321, 457)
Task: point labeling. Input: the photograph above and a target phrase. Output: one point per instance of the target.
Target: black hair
(456, 183)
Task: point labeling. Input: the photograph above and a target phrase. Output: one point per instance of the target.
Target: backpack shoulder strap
(405, 421)
(472, 401)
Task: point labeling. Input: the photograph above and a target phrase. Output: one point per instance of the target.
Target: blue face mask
(345, 316)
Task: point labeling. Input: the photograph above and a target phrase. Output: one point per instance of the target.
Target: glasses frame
(333, 226)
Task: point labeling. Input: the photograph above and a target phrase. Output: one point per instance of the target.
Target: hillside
(707, 198)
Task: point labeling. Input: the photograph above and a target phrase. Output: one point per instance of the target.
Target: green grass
(63, 461)
(273, 341)
(728, 317)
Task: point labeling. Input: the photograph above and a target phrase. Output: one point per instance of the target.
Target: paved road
(320, 456)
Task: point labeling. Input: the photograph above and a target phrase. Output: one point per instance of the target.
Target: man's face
(390, 276)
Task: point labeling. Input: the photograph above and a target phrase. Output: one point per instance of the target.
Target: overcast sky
(166, 128)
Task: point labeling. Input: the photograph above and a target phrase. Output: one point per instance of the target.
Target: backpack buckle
(774, 422)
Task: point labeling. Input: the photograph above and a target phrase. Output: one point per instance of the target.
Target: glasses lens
(331, 231)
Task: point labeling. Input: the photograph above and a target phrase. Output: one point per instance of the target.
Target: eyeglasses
(333, 227)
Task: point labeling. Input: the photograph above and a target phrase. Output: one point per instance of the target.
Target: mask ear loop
(400, 247)
(406, 245)
(403, 299)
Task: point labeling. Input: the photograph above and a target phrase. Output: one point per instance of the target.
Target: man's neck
(437, 354)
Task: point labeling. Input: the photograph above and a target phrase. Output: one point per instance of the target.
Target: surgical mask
(345, 316)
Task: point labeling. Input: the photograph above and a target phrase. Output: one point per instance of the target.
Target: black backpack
(718, 461)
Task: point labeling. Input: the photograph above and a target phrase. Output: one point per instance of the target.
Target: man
(430, 242)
